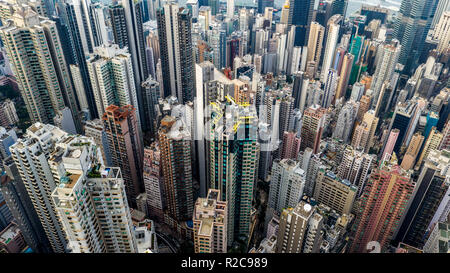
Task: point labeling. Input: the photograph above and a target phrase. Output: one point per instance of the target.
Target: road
(166, 242)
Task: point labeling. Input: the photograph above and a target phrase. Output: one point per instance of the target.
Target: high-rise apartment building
(430, 190)
(210, 224)
(441, 32)
(445, 143)
(355, 167)
(311, 163)
(338, 194)
(329, 88)
(381, 205)
(388, 58)
(437, 242)
(432, 143)
(293, 228)
(312, 127)
(286, 184)
(16, 198)
(176, 164)
(363, 136)
(112, 78)
(31, 154)
(391, 141)
(344, 76)
(94, 128)
(153, 181)
(125, 147)
(78, 26)
(413, 151)
(411, 29)
(177, 60)
(35, 52)
(8, 114)
(315, 41)
(346, 118)
(290, 145)
(333, 26)
(364, 106)
(126, 20)
(233, 162)
(152, 93)
(90, 199)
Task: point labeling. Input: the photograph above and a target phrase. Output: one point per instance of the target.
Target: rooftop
(9, 233)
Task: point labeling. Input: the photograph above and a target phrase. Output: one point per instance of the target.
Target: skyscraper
(76, 23)
(382, 203)
(286, 185)
(290, 239)
(432, 143)
(34, 49)
(441, 31)
(31, 154)
(412, 152)
(19, 203)
(263, 4)
(445, 143)
(389, 54)
(290, 146)
(356, 167)
(344, 76)
(338, 194)
(315, 42)
(300, 15)
(312, 128)
(391, 142)
(346, 118)
(329, 89)
(176, 164)
(364, 132)
(428, 194)
(153, 181)
(411, 28)
(112, 78)
(126, 20)
(233, 162)
(403, 115)
(125, 147)
(177, 60)
(442, 7)
(332, 36)
(339, 7)
(210, 224)
(230, 9)
(152, 92)
(90, 199)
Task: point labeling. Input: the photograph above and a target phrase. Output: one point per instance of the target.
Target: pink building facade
(382, 204)
(291, 145)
